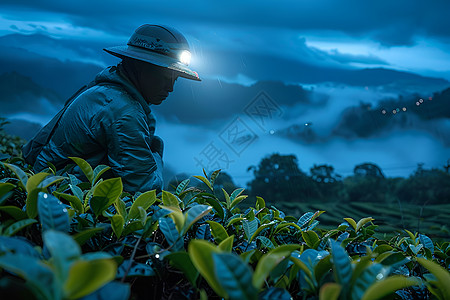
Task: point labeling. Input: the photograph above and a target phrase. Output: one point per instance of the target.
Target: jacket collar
(113, 75)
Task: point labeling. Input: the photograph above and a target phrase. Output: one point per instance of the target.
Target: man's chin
(157, 100)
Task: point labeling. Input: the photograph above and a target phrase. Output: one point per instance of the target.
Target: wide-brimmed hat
(159, 45)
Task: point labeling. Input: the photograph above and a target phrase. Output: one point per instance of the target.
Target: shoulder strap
(31, 150)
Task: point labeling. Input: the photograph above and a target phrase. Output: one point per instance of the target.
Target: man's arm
(130, 154)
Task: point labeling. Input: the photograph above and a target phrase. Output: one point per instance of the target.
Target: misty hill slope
(65, 78)
(21, 94)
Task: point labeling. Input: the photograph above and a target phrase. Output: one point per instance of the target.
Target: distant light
(380, 276)
(157, 255)
(430, 98)
(272, 131)
(185, 57)
(417, 103)
(45, 196)
(404, 108)
(398, 109)
(394, 111)
(421, 101)
(306, 124)
(383, 111)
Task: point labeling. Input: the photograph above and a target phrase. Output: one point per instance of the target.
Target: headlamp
(185, 57)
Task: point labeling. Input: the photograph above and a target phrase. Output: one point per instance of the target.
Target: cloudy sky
(238, 45)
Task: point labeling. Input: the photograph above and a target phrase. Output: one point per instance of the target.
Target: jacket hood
(112, 75)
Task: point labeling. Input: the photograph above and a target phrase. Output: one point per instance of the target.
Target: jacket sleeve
(130, 154)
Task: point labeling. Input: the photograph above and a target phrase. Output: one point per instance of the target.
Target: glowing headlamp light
(185, 57)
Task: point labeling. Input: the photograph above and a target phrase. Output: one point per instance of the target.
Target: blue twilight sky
(237, 44)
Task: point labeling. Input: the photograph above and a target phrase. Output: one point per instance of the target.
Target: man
(109, 121)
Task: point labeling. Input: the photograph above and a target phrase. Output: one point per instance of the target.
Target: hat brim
(153, 58)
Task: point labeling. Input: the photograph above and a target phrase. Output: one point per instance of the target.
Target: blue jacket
(109, 123)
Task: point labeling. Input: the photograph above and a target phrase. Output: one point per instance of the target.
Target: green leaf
(182, 261)
(260, 203)
(442, 276)
(21, 175)
(5, 188)
(98, 205)
(5, 192)
(105, 194)
(411, 235)
(201, 252)
(132, 227)
(49, 180)
(266, 264)
(216, 205)
(34, 181)
(214, 176)
(64, 251)
(330, 291)
(52, 213)
(113, 290)
(110, 189)
(74, 201)
(98, 172)
(302, 266)
(322, 267)
(87, 276)
(234, 276)
(194, 214)
(304, 219)
(218, 231)
(227, 198)
(33, 191)
(227, 244)
(274, 293)
(351, 222)
(136, 269)
(426, 242)
(236, 193)
(261, 228)
(238, 200)
(250, 227)
(182, 186)
(311, 238)
(205, 181)
(167, 227)
(341, 265)
(14, 212)
(121, 208)
(366, 278)
(265, 242)
(77, 192)
(362, 222)
(177, 215)
(170, 200)
(233, 220)
(18, 226)
(38, 275)
(144, 200)
(85, 168)
(117, 223)
(82, 237)
(388, 286)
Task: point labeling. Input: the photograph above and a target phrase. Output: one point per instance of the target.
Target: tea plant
(65, 238)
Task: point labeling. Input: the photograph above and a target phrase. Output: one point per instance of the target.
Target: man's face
(156, 83)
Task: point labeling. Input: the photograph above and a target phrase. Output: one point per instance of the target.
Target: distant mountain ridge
(39, 51)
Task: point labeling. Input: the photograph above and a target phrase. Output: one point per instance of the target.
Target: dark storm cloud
(391, 22)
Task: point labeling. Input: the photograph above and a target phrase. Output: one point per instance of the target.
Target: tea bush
(64, 238)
